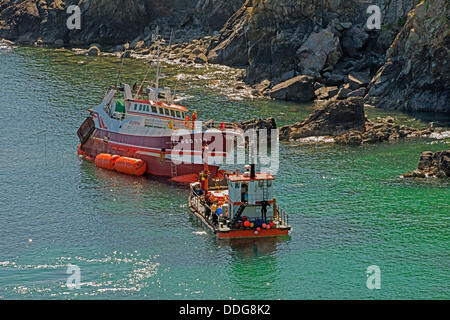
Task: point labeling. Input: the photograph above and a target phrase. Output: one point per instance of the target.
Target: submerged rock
(432, 164)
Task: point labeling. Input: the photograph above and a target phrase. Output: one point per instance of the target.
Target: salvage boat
(139, 124)
(238, 205)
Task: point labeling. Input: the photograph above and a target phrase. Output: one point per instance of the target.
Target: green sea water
(134, 238)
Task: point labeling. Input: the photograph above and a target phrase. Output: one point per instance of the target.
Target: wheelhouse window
(172, 113)
(178, 114)
(135, 106)
(154, 109)
(166, 111)
(161, 110)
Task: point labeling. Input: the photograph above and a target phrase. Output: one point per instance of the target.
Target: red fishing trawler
(136, 127)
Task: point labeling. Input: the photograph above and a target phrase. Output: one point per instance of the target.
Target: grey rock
(299, 88)
(317, 50)
(361, 92)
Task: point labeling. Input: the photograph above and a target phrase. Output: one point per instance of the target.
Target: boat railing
(283, 216)
(211, 124)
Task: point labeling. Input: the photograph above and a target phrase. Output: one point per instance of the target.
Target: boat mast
(157, 67)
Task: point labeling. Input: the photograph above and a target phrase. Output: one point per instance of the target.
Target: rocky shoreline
(312, 50)
(344, 122)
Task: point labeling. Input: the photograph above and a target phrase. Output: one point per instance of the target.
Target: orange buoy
(106, 160)
(136, 167)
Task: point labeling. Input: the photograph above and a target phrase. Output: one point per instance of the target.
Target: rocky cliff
(325, 38)
(329, 40)
(111, 21)
(416, 75)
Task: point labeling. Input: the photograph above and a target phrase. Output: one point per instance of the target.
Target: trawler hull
(154, 150)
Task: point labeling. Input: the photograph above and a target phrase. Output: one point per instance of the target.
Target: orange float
(106, 160)
(136, 167)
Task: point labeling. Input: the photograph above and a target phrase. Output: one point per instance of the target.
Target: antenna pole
(120, 71)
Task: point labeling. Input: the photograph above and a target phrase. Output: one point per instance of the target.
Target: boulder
(299, 88)
(354, 40)
(93, 51)
(140, 44)
(326, 92)
(200, 58)
(343, 93)
(268, 124)
(357, 93)
(320, 49)
(352, 138)
(331, 119)
(432, 164)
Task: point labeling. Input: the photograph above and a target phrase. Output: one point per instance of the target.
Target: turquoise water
(133, 237)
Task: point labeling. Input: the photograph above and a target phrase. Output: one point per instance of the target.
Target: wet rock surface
(258, 124)
(432, 164)
(344, 122)
(300, 88)
(331, 119)
(416, 74)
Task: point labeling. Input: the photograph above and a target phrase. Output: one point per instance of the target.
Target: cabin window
(269, 183)
(140, 107)
(178, 114)
(172, 113)
(166, 111)
(135, 106)
(147, 108)
(161, 111)
(261, 183)
(154, 110)
(237, 185)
